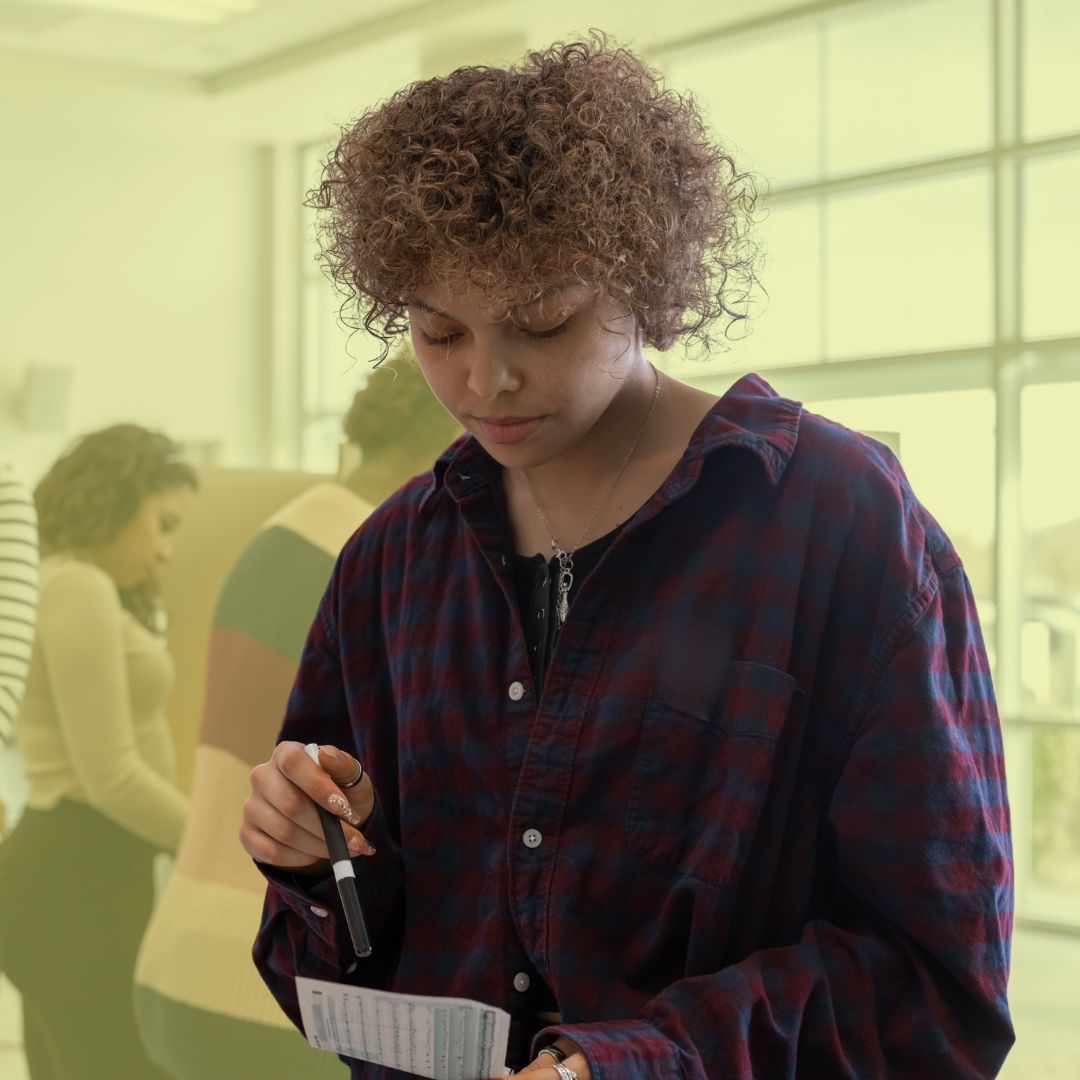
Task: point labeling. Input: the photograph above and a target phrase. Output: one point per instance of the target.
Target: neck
(583, 471)
(585, 496)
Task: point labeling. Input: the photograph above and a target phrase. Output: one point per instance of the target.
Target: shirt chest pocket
(703, 771)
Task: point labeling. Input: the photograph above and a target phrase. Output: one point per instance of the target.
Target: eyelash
(553, 332)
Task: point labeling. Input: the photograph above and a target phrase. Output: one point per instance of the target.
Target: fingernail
(370, 848)
(330, 752)
(338, 803)
(356, 845)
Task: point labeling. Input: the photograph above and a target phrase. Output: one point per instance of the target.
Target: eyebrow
(415, 301)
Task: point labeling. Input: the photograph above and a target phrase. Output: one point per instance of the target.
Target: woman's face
(558, 370)
(146, 541)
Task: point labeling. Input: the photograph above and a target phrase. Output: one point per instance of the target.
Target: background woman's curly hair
(96, 487)
(577, 162)
(396, 411)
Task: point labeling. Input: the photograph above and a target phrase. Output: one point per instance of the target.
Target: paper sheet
(444, 1038)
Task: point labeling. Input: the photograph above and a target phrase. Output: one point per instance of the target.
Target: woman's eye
(553, 332)
(428, 340)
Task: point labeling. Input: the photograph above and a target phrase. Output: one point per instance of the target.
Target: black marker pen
(344, 874)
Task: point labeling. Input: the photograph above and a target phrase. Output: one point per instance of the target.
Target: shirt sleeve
(81, 639)
(18, 595)
(303, 930)
(908, 977)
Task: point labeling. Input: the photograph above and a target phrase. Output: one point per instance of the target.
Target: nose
(490, 372)
(165, 550)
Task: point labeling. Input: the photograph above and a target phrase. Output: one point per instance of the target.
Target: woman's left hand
(543, 1068)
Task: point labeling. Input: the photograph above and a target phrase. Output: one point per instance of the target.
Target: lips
(509, 430)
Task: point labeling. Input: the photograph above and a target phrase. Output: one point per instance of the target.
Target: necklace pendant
(566, 579)
(563, 605)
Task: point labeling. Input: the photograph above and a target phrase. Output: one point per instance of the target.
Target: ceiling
(282, 70)
(173, 35)
(212, 38)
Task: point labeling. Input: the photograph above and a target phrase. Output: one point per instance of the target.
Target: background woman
(76, 884)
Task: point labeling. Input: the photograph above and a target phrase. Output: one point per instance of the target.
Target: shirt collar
(750, 414)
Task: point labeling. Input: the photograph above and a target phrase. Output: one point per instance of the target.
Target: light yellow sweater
(92, 725)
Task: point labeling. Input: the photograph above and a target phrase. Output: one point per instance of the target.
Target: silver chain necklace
(566, 558)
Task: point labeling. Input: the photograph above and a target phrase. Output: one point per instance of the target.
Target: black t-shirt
(536, 584)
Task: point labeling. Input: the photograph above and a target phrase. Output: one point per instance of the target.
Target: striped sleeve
(18, 594)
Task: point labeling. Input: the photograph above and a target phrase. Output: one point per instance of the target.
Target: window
(919, 229)
(332, 365)
(1051, 244)
(909, 267)
(1050, 36)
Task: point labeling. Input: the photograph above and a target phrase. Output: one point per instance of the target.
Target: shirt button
(521, 982)
(516, 691)
(320, 911)
(532, 838)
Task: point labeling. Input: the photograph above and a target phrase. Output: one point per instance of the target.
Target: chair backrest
(229, 509)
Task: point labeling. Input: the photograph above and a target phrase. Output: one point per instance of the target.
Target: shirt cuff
(619, 1049)
(315, 899)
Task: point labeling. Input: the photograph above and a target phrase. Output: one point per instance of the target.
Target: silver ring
(356, 779)
(564, 1072)
(554, 1051)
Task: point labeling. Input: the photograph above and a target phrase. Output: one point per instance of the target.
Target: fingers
(281, 826)
(338, 764)
(276, 839)
(319, 782)
(543, 1066)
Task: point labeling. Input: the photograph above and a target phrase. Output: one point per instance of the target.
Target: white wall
(134, 252)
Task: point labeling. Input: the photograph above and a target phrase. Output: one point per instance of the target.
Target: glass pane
(319, 445)
(312, 159)
(310, 164)
(946, 445)
(760, 97)
(1051, 44)
(1055, 826)
(312, 333)
(907, 81)
(1051, 246)
(1050, 501)
(331, 372)
(784, 326)
(910, 267)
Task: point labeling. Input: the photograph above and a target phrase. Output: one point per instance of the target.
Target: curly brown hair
(576, 163)
(96, 487)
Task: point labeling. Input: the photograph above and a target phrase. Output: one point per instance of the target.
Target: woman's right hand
(281, 825)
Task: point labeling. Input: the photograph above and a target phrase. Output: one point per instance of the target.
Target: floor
(1042, 993)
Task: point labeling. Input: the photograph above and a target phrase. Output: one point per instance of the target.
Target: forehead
(463, 301)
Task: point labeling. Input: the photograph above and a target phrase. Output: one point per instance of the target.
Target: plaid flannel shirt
(756, 822)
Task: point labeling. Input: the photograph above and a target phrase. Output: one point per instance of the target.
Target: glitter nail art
(338, 803)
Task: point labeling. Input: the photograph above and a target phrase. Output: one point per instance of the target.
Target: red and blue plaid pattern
(757, 824)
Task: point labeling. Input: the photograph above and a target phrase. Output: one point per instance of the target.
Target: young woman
(677, 735)
(75, 875)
